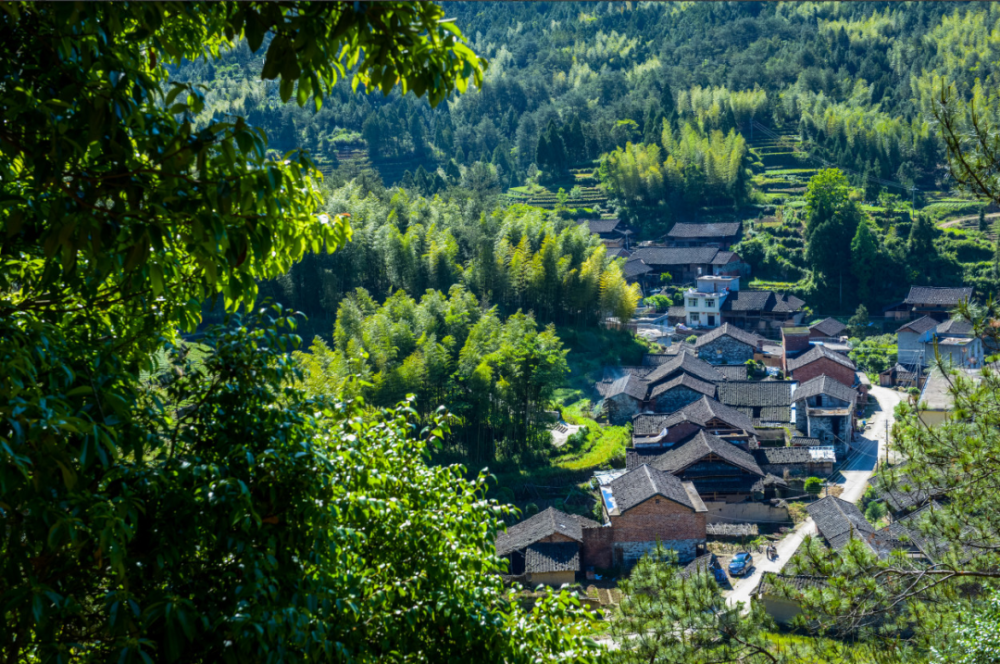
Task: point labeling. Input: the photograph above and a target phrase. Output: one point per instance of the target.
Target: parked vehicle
(741, 564)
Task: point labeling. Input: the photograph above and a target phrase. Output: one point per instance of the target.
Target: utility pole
(887, 441)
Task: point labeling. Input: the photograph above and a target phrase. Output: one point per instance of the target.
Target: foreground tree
(213, 513)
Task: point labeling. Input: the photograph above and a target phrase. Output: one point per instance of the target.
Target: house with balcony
(703, 304)
(920, 341)
(824, 409)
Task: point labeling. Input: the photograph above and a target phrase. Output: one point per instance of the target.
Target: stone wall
(822, 428)
(552, 578)
(797, 470)
(726, 350)
(627, 554)
(825, 367)
(721, 512)
(675, 399)
(620, 408)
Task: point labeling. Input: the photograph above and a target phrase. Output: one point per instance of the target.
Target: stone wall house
(624, 398)
(728, 344)
(824, 409)
(678, 392)
(721, 235)
(719, 470)
(821, 361)
(646, 506)
(554, 539)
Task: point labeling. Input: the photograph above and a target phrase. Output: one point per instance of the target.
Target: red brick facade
(825, 367)
(656, 519)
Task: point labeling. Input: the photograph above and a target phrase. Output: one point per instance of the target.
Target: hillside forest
(293, 294)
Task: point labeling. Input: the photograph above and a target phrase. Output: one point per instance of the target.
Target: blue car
(741, 564)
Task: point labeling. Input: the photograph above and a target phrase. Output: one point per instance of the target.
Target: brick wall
(596, 548)
(675, 399)
(658, 519)
(793, 343)
(726, 350)
(825, 367)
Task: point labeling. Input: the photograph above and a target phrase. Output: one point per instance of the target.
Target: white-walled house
(703, 305)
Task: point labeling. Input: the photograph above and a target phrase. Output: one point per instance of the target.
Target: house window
(692, 302)
(709, 304)
(695, 317)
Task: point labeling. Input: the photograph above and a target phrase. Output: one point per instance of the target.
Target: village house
(687, 264)
(824, 409)
(728, 344)
(613, 232)
(762, 311)
(796, 462)
(702, 305)
(828, 328)
(728, 371)
(653, 432)
(936, 302)
(839, 522)
(721, 235)
(821, 361)
(646, 506)
(920, 342)
(767, 403)
(719, 470)
(900, 494)
(664, 388)
(545, 548)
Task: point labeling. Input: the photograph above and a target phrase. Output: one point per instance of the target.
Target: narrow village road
(852, 475)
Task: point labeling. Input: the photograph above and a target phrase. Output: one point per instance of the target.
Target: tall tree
(864, 254)
(831, 223)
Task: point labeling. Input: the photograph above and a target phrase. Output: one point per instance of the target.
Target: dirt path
(960, 221)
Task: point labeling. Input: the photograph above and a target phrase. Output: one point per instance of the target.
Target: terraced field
(591, 194)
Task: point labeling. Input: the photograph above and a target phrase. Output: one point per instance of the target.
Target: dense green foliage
(213, 512)
(497, 376)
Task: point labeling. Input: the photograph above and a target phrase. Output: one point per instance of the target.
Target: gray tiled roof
(663, 256)
(630, 385)
(611, 374)
(635, 267)
(685, 380)
(650, 424)
(772, 583)
(749, 301)
(817, 352)
(727, 330)
(724, 257)
(618, 252)
(825, 385)
(732, 371)
(705, 409)
(937, 296)
(802, 441)
(761, 401)
(919, 325)
(954, 327)
(701, 445)
(717, 230)
(899, 492)
(552, 557)
(639, 485)
(600, 226)
(788, 303)
(782, 455)
(838, 521)
(541, 525)
(686, 363)
(830, 327)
